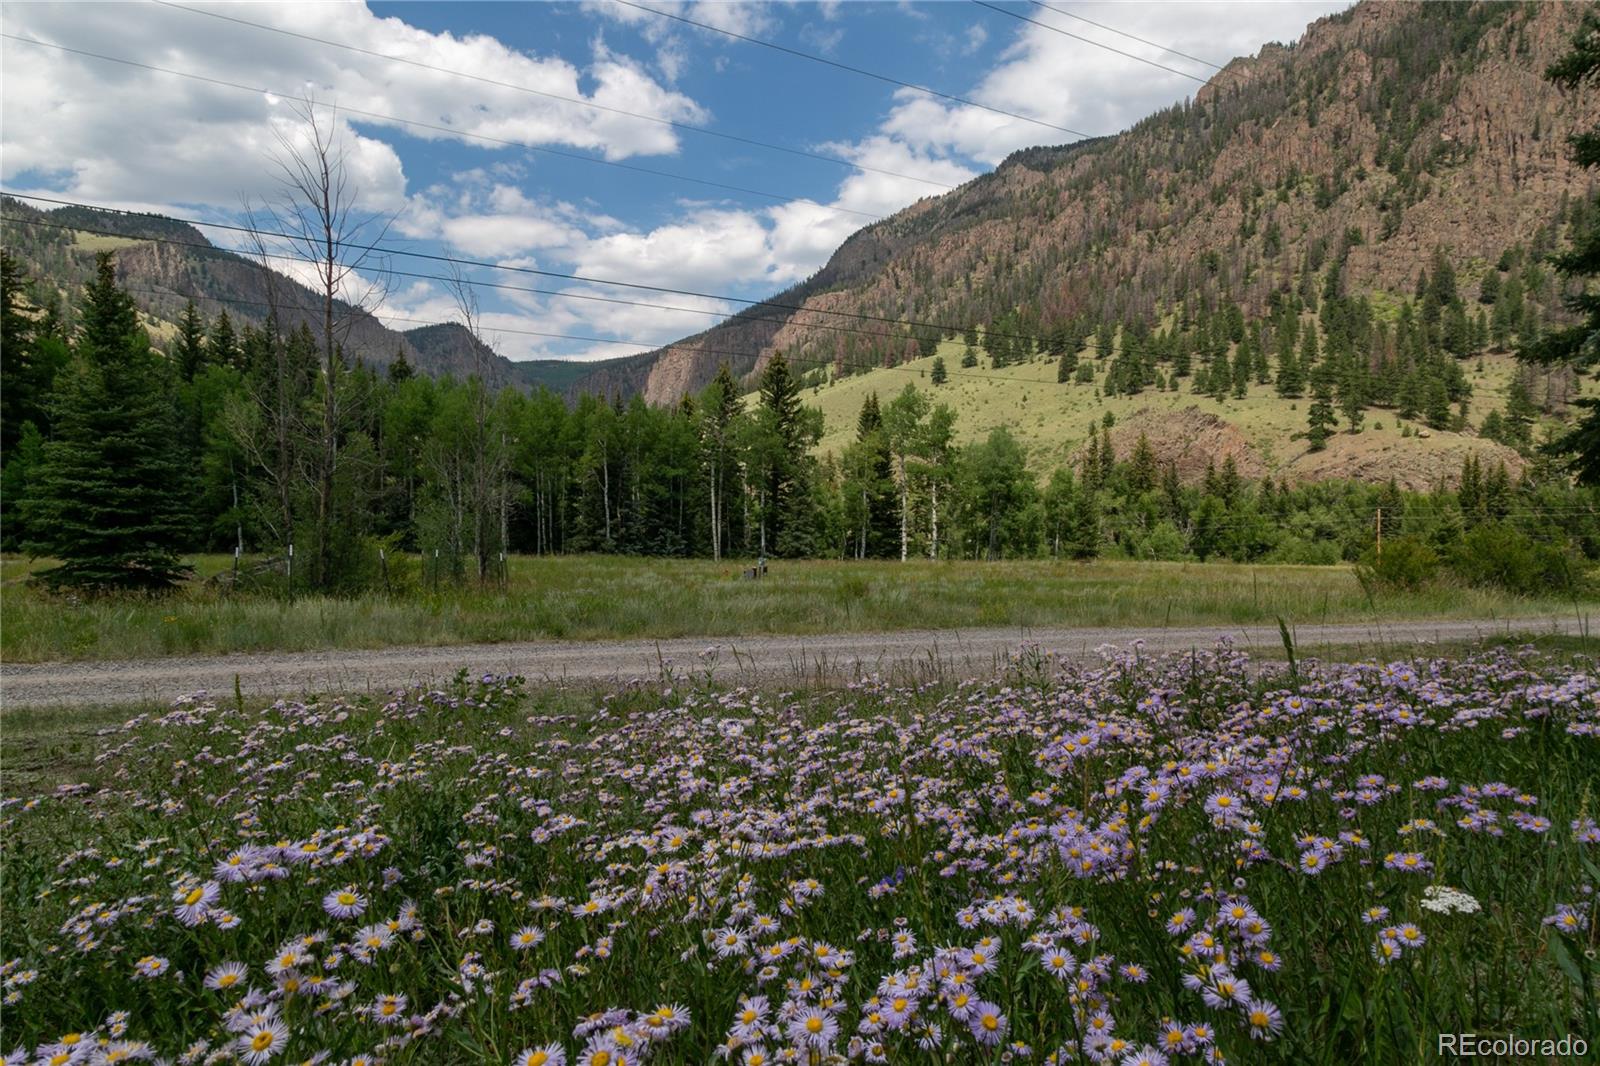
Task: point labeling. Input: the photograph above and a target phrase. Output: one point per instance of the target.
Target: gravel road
(825, 658)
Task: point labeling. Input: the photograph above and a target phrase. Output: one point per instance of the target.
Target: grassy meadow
(596, 597)
(1145, 861)
(1051, 419)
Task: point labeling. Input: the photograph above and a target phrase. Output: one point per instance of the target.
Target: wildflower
(1181, 921)
(988, 1025)
(1410, 936)
(261, 1042)
(548, 1055)
(1410, 862)
(344, 903)
(389, 1009)
(193, 903)
(1568, 919)
(226, 976)
(151, 966)
(1442, 899)
(814, 1028)
(529, 936)
(1266, 1021)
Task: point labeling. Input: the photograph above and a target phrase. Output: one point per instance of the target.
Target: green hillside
(1052, 419)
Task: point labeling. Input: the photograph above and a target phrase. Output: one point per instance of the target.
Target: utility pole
(1380, 532)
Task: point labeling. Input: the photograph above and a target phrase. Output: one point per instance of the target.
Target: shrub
(1405, 563)
(1499, 555)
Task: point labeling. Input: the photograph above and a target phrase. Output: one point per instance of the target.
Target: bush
(1405, 563)
(1299, 551)
(1498, 555)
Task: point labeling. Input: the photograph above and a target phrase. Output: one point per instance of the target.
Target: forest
(275, 444)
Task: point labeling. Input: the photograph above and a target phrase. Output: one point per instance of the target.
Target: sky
(575, 145)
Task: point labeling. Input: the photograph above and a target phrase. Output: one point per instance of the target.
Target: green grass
(598, 597)
(1051, 419)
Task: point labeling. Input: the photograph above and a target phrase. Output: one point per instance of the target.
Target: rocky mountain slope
(1390, 131)
(163, 277)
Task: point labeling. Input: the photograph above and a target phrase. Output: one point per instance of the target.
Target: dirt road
(800, 658)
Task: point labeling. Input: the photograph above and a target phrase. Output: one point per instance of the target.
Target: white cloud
(91, 125)
(1069, 83)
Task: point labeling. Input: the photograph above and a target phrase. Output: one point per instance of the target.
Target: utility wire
(451, 130)
(458, 261)
(853, 70)
(1124, 33)
(796, 358)
(678, 125)
(1085, 40)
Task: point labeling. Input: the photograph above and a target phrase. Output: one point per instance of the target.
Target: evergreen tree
(1143, 466)
(1067, 366)
(190, 350)
(1352, 393)
(783, 463)
(106, 499)
(1291, 383)
(1320, 418)
(1520, 411)
(1436, 401)
(401, 369)
(969, 358)
(222, 347)
(938, 375)
(20, 401)
(1578, 345)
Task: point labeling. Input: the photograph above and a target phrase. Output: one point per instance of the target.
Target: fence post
(288, 573)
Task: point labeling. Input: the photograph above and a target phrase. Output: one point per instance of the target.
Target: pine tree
(19, 397)
(1578, 346)
(1353, 392)
(1143, 467)
(190, 350)
(222, 347)
(938, 374)
(969, 358)
(1291, 383)
(106, 499)
(1320, 418)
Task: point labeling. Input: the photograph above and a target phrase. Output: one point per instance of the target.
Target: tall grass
(597, 597)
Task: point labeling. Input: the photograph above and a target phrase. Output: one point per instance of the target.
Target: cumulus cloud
(104, 131)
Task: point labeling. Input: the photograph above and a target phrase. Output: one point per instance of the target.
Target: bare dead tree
(268, 428)
(316, 219)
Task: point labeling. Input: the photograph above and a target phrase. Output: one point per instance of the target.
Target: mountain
(1387, 133)
(163, 277)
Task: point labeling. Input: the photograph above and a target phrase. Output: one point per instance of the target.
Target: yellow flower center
(194, 897)
(261, 1041)
(813, 1024)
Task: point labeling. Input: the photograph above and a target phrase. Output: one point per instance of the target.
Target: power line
(1125, 33)
(585, 279)
(685, 126)
(796, 358)
(1085, 40)
(853, 70)
(452, 130)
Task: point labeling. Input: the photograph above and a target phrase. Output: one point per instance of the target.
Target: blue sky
(97, 132)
